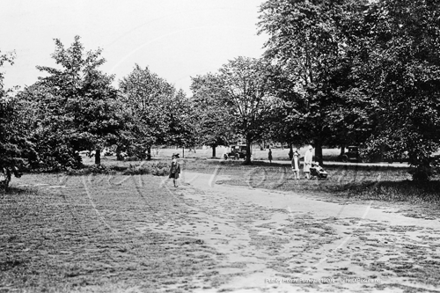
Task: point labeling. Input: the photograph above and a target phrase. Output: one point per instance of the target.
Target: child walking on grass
(174, 169)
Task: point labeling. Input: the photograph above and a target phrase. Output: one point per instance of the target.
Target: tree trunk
(183, 152)
(149, 153)
(318, 151)
(118, 154)
(213, 150)
(97, 157)
(248, 152)
(290, 151)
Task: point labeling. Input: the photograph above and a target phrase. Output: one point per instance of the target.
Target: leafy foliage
(76, 106)
(16, 151)
(248, 87)
(213, 121)
(307, 40)
(145, 96)
(159, 113)
(181, 121)
(399, 64)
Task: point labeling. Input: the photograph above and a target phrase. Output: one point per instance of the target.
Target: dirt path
(284, 242)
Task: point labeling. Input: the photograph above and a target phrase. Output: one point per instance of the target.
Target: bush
(426, 169)
(95, 169)
(137, 170)
(132, 158)
(157, 169)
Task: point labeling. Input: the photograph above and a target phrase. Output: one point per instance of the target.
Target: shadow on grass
(13, 190)
(395, 190)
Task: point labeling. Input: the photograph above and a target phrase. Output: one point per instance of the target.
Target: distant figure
(174, 169)
(308, 159)
(225, 152)
(269, 155)
(295, 164)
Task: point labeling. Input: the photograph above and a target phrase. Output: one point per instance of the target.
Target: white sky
(175, 38)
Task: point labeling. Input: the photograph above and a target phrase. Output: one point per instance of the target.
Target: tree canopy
(145, 96)
(160, 114)
(334, 73)
(213, 121)
(78, 106)
(307, 40)
(248, 97)
(399, 66)
(15, 148)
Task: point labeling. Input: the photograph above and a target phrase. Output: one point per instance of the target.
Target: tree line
(334, 73)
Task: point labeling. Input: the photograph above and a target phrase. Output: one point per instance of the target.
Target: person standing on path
(174, 170)
(295, 164)
(308, 158)
(269, 154)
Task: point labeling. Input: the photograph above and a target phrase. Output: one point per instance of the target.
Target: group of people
(308, 159)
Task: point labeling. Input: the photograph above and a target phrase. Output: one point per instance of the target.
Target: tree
(180, 119)
(247, 85)
(15, 149)
(161, 115)
(147, 97)
(78, 103)
(283, 128)
(213, 122)
(46, 130)
(399, 66)
(306, 40)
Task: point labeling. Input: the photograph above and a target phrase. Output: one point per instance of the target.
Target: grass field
(61, 234)
(377, 182)
(117, 233)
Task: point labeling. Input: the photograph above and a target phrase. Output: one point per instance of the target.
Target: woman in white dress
(308, 158)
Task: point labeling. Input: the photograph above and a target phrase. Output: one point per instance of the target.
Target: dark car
(237, 152)
(352, 154)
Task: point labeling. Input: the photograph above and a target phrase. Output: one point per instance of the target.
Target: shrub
(137, 170)
(132, 158)
(94, 169)
(156, 169)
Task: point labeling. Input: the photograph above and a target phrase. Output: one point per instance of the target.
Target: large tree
(213, 121)
(399, 65)
(78, 104)
(306, 39)
(147, 98)
(248, 97)
(160, 113)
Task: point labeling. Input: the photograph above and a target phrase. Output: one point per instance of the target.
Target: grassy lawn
(379, 183)
(98, 233)
(94, 231)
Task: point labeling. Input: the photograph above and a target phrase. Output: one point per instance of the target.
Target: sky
(175, 39)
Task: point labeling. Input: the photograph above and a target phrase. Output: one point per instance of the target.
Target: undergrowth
(154, 168)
